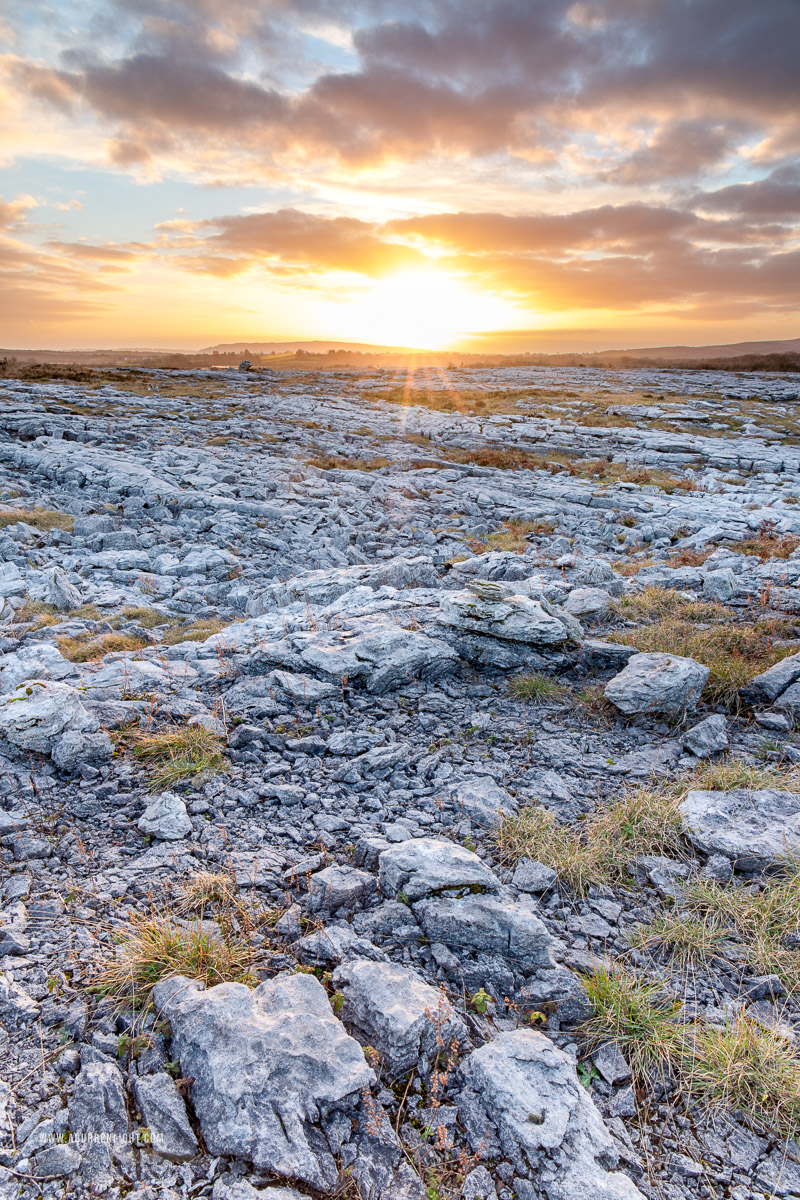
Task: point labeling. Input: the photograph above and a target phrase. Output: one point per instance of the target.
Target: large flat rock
(753, 828)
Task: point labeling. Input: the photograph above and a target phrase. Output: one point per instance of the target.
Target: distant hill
(293, 347)
(732, 350)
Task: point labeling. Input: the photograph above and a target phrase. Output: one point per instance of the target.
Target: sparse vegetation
(193, 631)
(37, 614)
(177, 754)
(765, 921)
(734, 653)
(637, 1016)
(653, 603)
(767, 543)
(730, 773)
(643, 821)
(512, 536)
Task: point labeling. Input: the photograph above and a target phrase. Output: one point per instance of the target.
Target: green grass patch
(175, 755)
(537, 688)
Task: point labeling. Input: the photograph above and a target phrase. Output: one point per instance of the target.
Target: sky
(477, 174)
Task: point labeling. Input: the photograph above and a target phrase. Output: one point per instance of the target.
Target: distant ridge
(730, 350)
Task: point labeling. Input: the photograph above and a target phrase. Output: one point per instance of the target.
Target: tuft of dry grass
(82, 649)
(537, 688)
(637, 1016)
(39, 518)
(683, 938)
(177, 754)
(730, 773)
(36, 613)
(158, 948)
(512, 536)
(653, 603)
(592, 701)
(767, 543)
(765, 922)
(741, 1066)
(733, 653)
(194, 631)
(338, 462)
(207, 888)
(642, 821)
(690, 558)
(744, 1067)
(148, 618)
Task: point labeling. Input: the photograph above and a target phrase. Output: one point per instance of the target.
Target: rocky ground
(352, 731)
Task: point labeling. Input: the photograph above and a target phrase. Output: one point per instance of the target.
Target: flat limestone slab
(753, 828)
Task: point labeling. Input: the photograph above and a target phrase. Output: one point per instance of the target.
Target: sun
(427, 309)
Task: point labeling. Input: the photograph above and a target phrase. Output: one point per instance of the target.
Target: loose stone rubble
(240, 565)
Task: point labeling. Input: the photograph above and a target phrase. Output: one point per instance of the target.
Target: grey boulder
(707, 738)
(48, 717)
(766, 687)
(166, 818)
(164, 1114)
(522, 1100)
(657, 683)
(426, 866)
(754, 829)
(490, 611)
(482, 801)
(391, 1008)
(486, 925)
(270, 1067)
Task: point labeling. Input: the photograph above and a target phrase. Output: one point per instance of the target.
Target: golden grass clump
(40, 518)
(733, 653)
(731, 773)
(82, 649)
(764, 922)
(195, 631)
(512, 536)
(177, 754)
(158, 948)
(36, 613)
(654, 603)
(643, 821)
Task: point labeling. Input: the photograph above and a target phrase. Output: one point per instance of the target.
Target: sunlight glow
(427, 309)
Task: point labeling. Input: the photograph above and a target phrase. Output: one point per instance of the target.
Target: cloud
(505, 77)
(230, 245)
(777, 196)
